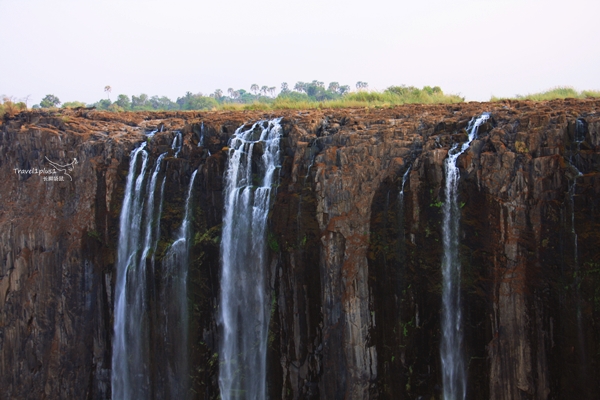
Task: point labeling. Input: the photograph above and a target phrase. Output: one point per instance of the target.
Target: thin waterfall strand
(173, 298)
(150, 209)
(454, 378)
(401, 222)
(130, 375)
(404, 179)
(177, 144)
(254, 158)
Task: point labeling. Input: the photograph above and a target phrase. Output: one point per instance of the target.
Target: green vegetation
(73, 104)
(556, 93)
(303, 95)
(209, 237)
(436, 203)
(50, 101)
(521, 147)
(94, 234)
(395, 95)
(273, 243)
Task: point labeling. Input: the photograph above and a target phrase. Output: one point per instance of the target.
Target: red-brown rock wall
(354, 270)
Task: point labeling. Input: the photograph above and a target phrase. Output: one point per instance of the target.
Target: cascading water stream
(177, 143)
(454, 377)
(148, 243)
(402, 230)
(201, 141)
(404, 179)
(254, 157)
(173, 300)
(130, 369)
(310, 166)
(579, 137)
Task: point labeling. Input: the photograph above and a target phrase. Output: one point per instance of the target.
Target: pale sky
(474, 48)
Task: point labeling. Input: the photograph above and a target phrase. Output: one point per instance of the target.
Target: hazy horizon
(474, 49)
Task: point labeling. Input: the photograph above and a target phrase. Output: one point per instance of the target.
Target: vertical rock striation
(58, 251)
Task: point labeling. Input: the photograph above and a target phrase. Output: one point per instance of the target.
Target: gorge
(412, 252)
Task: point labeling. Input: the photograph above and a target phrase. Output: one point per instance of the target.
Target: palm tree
(254, 88)
(300, 87)
(218, 94)
(230, 91)
(272, 91)
(264, 90)
(107, 89)
(334, 87)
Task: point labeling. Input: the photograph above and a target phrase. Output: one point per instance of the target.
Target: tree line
(314, 91)
(301, 95)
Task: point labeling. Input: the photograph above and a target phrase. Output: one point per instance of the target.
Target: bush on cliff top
(395, 95)
(561, 92)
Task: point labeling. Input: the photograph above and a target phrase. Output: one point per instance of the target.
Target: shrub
(10, 108)
(73, 104)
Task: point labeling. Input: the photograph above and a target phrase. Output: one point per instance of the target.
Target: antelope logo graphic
(63, 168)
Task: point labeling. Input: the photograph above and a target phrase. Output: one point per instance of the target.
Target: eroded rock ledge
(354, 272)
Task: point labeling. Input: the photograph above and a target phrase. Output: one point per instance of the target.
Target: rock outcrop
(354, 267)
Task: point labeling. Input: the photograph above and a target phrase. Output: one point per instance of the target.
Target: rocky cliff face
(354, 269)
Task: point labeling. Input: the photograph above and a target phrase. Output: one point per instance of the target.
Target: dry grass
(363, 99)
(10, 108)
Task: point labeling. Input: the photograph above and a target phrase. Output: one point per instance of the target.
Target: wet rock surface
(354, 270)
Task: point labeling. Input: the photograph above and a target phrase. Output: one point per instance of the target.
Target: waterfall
(134, 364)
(177, 143)
(574, 158)
(174, 310)
(130, 369)
(401, 222)
(244, 310)
(201, 141)
(404, 179)
(148, 243)
(579, 137)
(454, 377)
